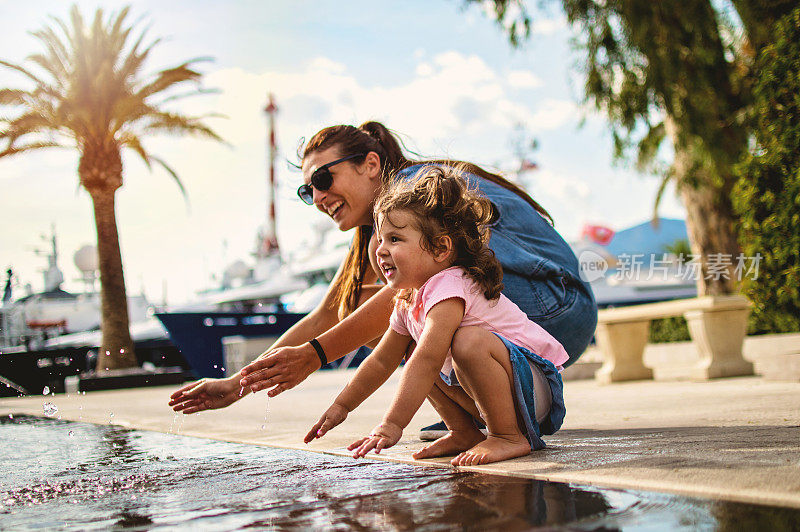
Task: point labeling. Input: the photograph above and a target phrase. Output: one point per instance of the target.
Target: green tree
(767, 197)
(676, 71)
(88, 92)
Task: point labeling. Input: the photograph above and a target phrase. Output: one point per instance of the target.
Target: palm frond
(26, 124)
(22, 71)
(133, 142)
(168, 78)
(13, 96)
(14, 150)
(172, 123)
(181, 96)
(134, 60)
(174, 176)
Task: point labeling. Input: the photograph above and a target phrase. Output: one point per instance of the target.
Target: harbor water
(58, 475)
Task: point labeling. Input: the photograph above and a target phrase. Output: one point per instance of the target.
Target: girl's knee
(469, 343)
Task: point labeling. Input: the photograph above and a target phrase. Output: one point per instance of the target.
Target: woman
(343, 170)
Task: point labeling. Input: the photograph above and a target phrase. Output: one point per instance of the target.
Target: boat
(48, 336)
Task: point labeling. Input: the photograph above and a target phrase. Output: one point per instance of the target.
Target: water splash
(46, 390)
(49, 409)
(266, 411)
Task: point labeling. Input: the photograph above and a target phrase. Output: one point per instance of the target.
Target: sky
(440, 74)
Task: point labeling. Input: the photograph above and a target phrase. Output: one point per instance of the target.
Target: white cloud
(548, 26)
(522, 79)
(552, 114)
(424, 69)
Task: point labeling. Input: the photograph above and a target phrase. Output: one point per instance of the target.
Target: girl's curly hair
(444, 204)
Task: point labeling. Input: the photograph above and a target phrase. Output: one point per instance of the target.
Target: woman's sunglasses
(321, 179)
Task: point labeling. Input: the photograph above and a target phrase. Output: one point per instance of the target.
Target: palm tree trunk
(117, 347)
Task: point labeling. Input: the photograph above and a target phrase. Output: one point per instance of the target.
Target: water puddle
(59, 475)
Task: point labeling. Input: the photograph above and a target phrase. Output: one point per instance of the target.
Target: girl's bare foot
(493, 449)
(452, 443)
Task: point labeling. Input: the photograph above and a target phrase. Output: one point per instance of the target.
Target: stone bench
(717, 324)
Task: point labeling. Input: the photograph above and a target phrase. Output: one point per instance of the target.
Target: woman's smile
(333, 209)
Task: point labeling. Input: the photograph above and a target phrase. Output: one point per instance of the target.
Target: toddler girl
(477, 355)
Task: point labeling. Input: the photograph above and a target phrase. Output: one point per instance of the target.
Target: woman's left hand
(281, 369)
(382, 437)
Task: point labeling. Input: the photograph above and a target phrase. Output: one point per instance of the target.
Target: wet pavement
(62, 475)
(728, 439)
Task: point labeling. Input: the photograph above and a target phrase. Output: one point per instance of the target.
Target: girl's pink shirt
(500, 316)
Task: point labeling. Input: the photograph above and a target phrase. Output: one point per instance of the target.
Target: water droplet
(122, 351)
(49, 409)
(215, 366)
(108, 353)
(241, 392)
(11, 416)
(111, 414)
(71, 434)
(46, 390)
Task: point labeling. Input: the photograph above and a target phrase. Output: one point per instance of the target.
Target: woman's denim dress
(540, 271)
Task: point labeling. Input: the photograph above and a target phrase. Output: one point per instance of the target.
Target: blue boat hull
(198, 335)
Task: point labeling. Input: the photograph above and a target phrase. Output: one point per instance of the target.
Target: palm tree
(89, 92)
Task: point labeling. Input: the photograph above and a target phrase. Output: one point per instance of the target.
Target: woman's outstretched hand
(281, 369)
(332, 417)
(206, 394)
(382, 437)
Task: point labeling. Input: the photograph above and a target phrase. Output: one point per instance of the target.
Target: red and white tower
(268, 245)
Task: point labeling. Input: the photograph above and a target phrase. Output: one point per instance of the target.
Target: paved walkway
(735, 439)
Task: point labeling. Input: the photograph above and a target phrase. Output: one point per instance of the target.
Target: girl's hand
(205, 394)
(382, 437)
(283, 367)
(332, 417)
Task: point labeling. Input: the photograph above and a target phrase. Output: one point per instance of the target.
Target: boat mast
(269, 242)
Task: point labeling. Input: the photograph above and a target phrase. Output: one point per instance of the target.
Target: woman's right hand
(206, 394)
(280, 369)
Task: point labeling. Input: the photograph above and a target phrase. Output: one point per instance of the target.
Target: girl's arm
(421, 371)
(373, 372)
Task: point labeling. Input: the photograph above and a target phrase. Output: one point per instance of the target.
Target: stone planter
(719, 336)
